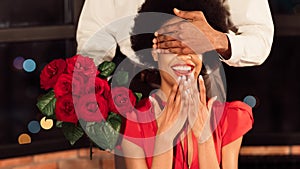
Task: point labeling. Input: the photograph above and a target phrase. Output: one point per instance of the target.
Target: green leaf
(106, 68)
(82, 123)
(121, 77)
(46, 104)
(59, 124)
(114, 120)
(138, 96)
(103, 134)
(72, 132)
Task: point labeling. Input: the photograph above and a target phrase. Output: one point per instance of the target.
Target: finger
(181, 50)
(189, 15)
(169, 44)
(171, 98)
(185, 89)
(170, 28)
(196, 96)
(178, 93)
(163, 51)
(194, 87)
(192, 111)
(163, 38)
(211, 102)
(180, 109)
(188, 86)
(202, 90)
(192, 100)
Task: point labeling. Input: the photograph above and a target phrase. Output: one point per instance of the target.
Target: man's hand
(191, 35)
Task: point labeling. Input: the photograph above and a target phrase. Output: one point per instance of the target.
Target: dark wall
(276, 86)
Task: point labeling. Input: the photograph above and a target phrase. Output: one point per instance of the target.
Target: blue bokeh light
(250, 100)
(34, 126)
(29, 65)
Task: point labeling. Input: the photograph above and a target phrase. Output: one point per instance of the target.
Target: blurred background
(32, 33)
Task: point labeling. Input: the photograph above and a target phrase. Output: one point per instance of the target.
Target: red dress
(234, 121)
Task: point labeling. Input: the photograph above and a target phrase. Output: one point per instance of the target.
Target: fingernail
(154, 46)
(155, 34)
(154, 40)
(200, 77)
(178, 79)
(192, 77)
(176, 10)
(185, 83)
(214, 98)
(189, 81)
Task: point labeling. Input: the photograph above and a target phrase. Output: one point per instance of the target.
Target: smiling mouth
(182, 69)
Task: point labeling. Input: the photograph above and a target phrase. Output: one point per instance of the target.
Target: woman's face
(172, 66)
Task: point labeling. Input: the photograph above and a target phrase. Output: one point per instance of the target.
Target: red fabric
(232, 119)
(236, 120)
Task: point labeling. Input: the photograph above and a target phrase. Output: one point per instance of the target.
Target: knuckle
(172, 50)
(180, 44)
(185, 24)
(185, 50)
(168, 44)
(198, 15)
(161, 38)
(182, 24)
(165, 37)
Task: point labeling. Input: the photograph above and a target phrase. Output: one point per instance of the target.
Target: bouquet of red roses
(81, 100)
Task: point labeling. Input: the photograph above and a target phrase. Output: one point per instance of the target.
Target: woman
(169, 130)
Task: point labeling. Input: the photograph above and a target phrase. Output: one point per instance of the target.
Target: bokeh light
(29, 65)
(34, 126)
(18, 63)
(46, 123)
(24, 139)
(250, 100)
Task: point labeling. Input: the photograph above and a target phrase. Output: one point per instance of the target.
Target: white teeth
(182, 68)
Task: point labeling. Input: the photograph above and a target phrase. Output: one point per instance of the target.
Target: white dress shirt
(104, 23)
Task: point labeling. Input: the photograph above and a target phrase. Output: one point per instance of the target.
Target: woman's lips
(181, 69)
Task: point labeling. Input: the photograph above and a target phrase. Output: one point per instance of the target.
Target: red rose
(63, 85)
(92, 109)
(78, 84)
(81, 64)
(64, 109)
(122, 100)
(51, 72)
(103, 106)
(97, 86)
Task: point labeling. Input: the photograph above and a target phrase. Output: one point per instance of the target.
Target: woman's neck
(164, 91)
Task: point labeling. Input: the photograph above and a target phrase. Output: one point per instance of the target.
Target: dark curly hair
(145, 24)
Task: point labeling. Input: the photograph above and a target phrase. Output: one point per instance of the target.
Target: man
(250, 45)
